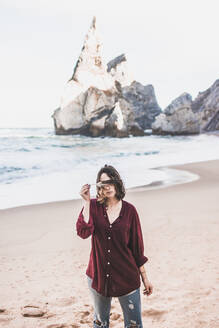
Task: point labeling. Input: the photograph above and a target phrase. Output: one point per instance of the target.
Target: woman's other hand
(85, 192)
(148, 287)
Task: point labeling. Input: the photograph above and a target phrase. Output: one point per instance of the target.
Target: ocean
(37, 166)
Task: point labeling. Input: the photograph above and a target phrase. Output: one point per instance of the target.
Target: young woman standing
(117, 254)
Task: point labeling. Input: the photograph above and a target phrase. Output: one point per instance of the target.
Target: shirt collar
(122, 209)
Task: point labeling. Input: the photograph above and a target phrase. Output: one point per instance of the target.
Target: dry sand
(43, 261)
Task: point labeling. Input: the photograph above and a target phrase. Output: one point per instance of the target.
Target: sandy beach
(43, 261)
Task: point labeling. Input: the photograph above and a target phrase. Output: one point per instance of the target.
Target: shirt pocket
(121, 230)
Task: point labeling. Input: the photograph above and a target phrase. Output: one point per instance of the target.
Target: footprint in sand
(115, 316)
(64, 301)
(61, 262)
(49, 315)
(89, 307)
(83, 316)
(4, 320)
(32, 311)
(2, 310)
(156, 314)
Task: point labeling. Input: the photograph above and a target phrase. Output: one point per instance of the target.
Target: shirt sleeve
(136, 243)
(84, 229)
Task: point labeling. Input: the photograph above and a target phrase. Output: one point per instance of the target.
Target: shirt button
(108, 262)
(110, 226)
(109, 237)
(108, 250)
(107, 275)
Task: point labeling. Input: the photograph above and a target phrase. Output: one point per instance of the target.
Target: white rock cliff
(100, 98)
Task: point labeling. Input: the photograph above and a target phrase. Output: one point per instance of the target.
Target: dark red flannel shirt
(117, 249)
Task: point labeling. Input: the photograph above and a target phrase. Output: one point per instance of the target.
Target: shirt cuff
(142, 261)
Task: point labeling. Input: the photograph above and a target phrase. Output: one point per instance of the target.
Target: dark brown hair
(114, 175)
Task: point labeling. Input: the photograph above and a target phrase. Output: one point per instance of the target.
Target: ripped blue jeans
(130, 304)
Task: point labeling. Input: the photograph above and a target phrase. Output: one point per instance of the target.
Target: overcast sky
(168, 43)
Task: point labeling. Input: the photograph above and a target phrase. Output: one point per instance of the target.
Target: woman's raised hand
(85, 192)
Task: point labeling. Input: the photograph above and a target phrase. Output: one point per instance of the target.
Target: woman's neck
(112, 201)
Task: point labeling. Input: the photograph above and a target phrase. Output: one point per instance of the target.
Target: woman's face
(109, 190)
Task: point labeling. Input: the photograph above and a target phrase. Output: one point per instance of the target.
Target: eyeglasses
(104, 184)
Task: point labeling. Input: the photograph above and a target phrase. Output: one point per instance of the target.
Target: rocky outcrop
(142, 102)
(90, 69)
(184, 116)
(177, 118)
(103, 99)
(86, 113)
(207, 103)
(118, 69)
(183, 101)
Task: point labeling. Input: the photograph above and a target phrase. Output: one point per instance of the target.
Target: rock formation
(184, 116)
(142, 102)
(103, 99)
(177, 118)
(118, 69)
(207, 104)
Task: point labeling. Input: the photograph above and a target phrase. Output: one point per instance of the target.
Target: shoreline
(181, 176)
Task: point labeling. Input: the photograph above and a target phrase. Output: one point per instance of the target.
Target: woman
(117, 255)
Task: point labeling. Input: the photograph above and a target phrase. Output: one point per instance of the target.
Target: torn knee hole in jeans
(99, 323)
(131, 305)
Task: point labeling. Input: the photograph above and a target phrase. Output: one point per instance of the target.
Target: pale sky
(168, 43)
